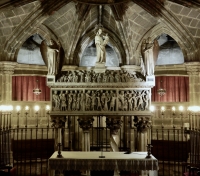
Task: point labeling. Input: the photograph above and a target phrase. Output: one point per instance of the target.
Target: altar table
(135, 161)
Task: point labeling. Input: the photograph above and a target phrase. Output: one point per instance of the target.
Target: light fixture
(18, 108)
(6, 108)
(194, 108)
(161, 91)
(152, 108)
(37, 91)
(162, 109)
(26, 115)
(173, 109)
(47, 107)
(27, 108)
(181, 108)
(36, 108)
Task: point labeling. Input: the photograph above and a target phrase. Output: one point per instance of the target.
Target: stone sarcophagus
(120, 91)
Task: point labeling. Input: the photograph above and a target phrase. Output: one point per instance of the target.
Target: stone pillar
(193, 69)
(114, 124)
(6, 72)
(143, 124)
(58, 122)
(86, 123)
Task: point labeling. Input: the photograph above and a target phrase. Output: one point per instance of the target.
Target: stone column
(6, 72)
(58, 122)
(114, 124)
(193, 69)
(143, 124)
(86, 123)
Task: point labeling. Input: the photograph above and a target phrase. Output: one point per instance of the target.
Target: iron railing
(28, 149)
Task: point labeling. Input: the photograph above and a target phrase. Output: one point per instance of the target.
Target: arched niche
(29, 53)
(169, 51)
(89, 56)
(85, 53)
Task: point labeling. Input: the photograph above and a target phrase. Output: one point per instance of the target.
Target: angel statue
(51, 55)
(150, 52)
(100, 42)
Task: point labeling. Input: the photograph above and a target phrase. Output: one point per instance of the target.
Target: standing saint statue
(100, 42)
(150, 53)
(52, 55)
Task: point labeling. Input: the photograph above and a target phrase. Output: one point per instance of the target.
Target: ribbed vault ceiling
(73, 23)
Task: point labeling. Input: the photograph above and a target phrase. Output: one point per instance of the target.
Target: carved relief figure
(74, 100)
(56, 100)
(63, 102)
(130, 102)
(70, 99)
(140, 100)
(134, 100)
(98, 78)
(121, 100)
(93, 98)
(98, 97)
(82, 100)
(105, 77)
(87, 100)
(111, 77)
(146, 100)
(78, 102)
(100, 42)
(113, 102)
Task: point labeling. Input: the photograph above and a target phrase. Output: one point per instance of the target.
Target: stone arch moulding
(42, 31)
(89, 37)
(159, 29)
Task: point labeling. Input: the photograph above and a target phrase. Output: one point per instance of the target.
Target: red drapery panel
(177, 89)
(22, 88)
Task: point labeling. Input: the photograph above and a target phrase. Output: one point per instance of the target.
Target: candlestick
(59, 135)
(149, 150)
(26, 115)
(59, 151)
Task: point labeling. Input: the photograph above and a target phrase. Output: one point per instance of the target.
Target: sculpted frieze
(109, 76)
(100, 100)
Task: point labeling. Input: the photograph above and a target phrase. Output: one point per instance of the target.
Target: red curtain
(22, 88)
(177, 89)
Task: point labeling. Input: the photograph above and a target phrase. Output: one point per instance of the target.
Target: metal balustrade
(28, 149)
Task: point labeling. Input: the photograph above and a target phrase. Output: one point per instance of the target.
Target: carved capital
(85, 123)
(58, 121)
(142, 123)
(114, 124)
(7, 67)
(193, 68)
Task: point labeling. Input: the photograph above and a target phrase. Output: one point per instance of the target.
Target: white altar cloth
(135, 161)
